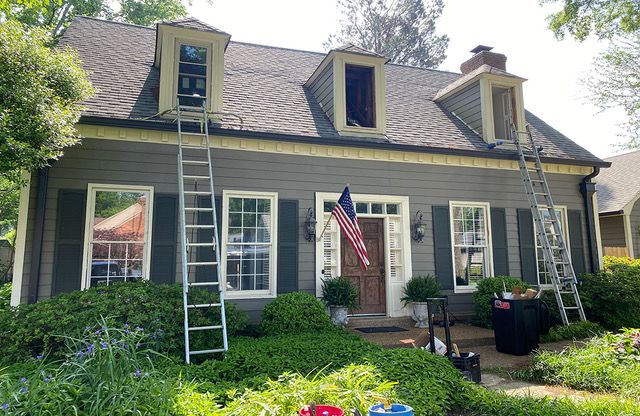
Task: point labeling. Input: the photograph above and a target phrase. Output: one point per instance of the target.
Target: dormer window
(360, 96)
(503, 111)
(193, 74)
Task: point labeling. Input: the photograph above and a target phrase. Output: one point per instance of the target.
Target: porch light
(418, 228)
(310, 226)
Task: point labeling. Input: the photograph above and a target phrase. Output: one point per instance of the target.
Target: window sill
(361, 131)
(465, 289)
(249, 295)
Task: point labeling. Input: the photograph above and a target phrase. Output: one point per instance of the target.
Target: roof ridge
(100, 19)
(622, 154)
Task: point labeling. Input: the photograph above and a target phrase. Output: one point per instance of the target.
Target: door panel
(372, 281)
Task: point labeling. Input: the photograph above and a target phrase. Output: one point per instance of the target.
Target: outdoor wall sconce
(310, 226)
(418, 228)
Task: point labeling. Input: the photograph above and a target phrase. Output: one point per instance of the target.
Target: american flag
(346, 216)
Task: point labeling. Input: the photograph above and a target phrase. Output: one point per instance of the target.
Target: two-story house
(290, 128)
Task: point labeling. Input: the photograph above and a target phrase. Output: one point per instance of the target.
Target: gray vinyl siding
(612, 231)
(322, 89)
(466, 106)
(635, 229)
(298, 178)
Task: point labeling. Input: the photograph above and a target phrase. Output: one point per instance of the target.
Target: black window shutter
(499, 242)
(288, 227)
(442, 246)
(205, 235)
(69, 244)
(164, 239)
(576, 241)
(526, 237)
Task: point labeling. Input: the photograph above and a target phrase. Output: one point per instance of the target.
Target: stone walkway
(524, 388)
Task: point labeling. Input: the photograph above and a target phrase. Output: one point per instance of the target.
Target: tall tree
(39, 91)
(402, 30)
(604, 18)
(57, 14)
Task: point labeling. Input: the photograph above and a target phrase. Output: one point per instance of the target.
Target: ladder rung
(203, 284)
(194, 146)
(201, 245)
(199, 209)
(195, 162)
(205, 328)
(197, 193)
(190, 108)
(566, 292)
(541, 193)
(200, 226)
(204, 305)
(187, 133)
(202, 263)
(196, 177)
(207, 351)
(571, 308)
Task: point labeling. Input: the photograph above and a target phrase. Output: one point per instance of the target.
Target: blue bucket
(396, 410)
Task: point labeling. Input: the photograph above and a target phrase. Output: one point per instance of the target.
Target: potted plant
(340, 295)
(417, 290)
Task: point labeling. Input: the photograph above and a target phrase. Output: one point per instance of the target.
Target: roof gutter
(588, 189)
(381, 144)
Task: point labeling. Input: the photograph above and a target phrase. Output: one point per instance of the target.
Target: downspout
(36, 247)
(588, 189)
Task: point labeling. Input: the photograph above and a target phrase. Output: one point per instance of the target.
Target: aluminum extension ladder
(554, 247)
(194, 166)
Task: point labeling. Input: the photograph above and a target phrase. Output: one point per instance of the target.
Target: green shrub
(611, 262)
(426, 382)
(573, 331)
(549, 297)
(612, 297)
(420, 288)
(5, 298)
(484, 293)
(340, 291)
(40, 328)
(607, 363)
(294, 313)
(106, 371)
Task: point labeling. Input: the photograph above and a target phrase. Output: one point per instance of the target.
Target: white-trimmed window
(117, 244)
(471, 243)
(249, 237)
(193, 73)
(544, 276)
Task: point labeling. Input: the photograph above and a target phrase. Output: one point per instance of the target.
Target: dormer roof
(473, 76)
(193, 23)
(351, 48)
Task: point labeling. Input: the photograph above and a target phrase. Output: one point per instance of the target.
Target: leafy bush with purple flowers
(42, 327)
(105, 371)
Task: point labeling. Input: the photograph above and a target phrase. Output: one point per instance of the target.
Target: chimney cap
(481, 48)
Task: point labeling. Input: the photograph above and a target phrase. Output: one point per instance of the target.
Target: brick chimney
(482, 55)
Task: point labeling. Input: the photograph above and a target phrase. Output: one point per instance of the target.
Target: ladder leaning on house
(198, 225)
(552, 240)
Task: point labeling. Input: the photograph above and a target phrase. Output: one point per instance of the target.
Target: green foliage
(485, 292)
(549, 297)
(612, 297)
(420, 288)
(9, 203)
(612, 262)
(110, 203)
(426, 382)
(39, 89)
(403, 31)
(57, 14)
(352, 387)
(5, 301)
(106, 371)
(41, 327)
(340, 291)
(573, 331)
(478, 401)
(294, 313)
(609, 363)
(605, 18)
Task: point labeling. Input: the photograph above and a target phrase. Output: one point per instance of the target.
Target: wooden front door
(372, 281)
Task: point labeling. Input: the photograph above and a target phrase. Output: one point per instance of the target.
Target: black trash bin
(516, 325)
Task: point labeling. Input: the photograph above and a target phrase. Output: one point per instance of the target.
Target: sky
(516, 28)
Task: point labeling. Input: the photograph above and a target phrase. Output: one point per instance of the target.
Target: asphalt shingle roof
(619, 184)
(264, 86)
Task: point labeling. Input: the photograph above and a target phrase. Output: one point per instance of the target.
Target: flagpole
(328, 221)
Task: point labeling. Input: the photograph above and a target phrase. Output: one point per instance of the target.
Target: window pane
(360, 96)
(376, 208)
(193, 69)
(249, 257)
(191, 101)
(362, 208)
(470, 244)
(191, 85)
(329, 205)
(470, 265)
(118, 236)
(193, 54)
(544, 275)
(392, 209)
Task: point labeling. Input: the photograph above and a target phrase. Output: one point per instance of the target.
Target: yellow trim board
(320, 150)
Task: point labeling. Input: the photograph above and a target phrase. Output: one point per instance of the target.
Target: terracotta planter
(420, 314)
(339, 315)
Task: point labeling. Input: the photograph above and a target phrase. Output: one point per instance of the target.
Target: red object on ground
(320, 409)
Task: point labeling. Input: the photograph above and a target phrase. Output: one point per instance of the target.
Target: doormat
(380, 329)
